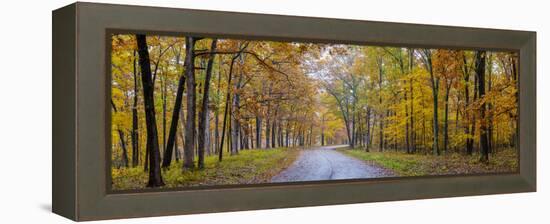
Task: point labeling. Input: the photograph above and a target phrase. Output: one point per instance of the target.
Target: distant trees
(396, 85)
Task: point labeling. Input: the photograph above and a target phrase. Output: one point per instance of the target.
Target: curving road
(325, 163)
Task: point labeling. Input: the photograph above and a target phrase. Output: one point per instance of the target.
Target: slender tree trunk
(135, 124)
(155, 176)
(124, 149)
(483, 138)
(474, 120)
(407, 142)
(489, 62)
(146, 163)
(413, 131)
(176, 151)
(381, 119)
(467, 116)
(164, 99)
(435, 93)
(258, 132)
(353, 126)
(217, 112)
(227, 100)
(216, 130)
(122, 140)
(273, 129)
(203, 113)
(446, 122)
(368, 123)
(287, 134)
(167, 159)
(515, 137)
(267, 131)
(435, 119)
(323, 130)
(189, 149)
(235, 123)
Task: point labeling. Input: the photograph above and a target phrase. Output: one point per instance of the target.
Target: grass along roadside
(404, 164)
(248, 167)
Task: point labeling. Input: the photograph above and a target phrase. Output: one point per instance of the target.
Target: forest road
(325, 163)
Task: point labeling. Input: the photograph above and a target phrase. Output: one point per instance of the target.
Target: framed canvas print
(201, 111)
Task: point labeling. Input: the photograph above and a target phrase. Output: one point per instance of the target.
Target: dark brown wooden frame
(81, 128)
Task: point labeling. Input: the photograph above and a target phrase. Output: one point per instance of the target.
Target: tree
(426, 56)
(189, 148)
(228, 97)
(174, 124)
(172, 135)
(469, 128)
(203, 129)
(135, 122)
(155, 176)
(446, 66)
(480, 73)
(122, 141)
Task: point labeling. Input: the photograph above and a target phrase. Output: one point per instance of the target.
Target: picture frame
(81, 111)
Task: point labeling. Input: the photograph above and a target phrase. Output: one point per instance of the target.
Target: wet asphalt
(325, 163)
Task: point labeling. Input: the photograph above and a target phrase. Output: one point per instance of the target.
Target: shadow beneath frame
(45, 207)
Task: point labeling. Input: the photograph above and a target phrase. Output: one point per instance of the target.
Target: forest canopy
(186, 104)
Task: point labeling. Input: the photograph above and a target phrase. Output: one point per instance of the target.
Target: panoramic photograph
(199, 111)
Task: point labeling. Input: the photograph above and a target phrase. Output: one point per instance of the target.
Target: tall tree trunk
(227, 100)
(176, 151)
(435, 119)
(176, 114)
(135, 124)
(251, 136)
(413, 131)
(374, 121)
(353, 126)
(124, 149)
(216, 130)
(167, 159)
(147, 152)
(155, 176)
(489, 62)
(287, 134)
(381, 119)
(323, 130)
(267, 130)
(258, 132)
(122, 140)
(367, 134)
(515, 137)
(407, 142)
(203, 113)
(467, 116)
(189, 149)
(164, 99)
(483, 138)
(235, 123)
(435, 93)
(217, 112)
(446, 120)
(474, 115)
(273, 128)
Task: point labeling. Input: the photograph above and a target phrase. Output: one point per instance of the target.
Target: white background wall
(25, 111)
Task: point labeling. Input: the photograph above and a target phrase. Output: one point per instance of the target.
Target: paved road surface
(325, 163)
